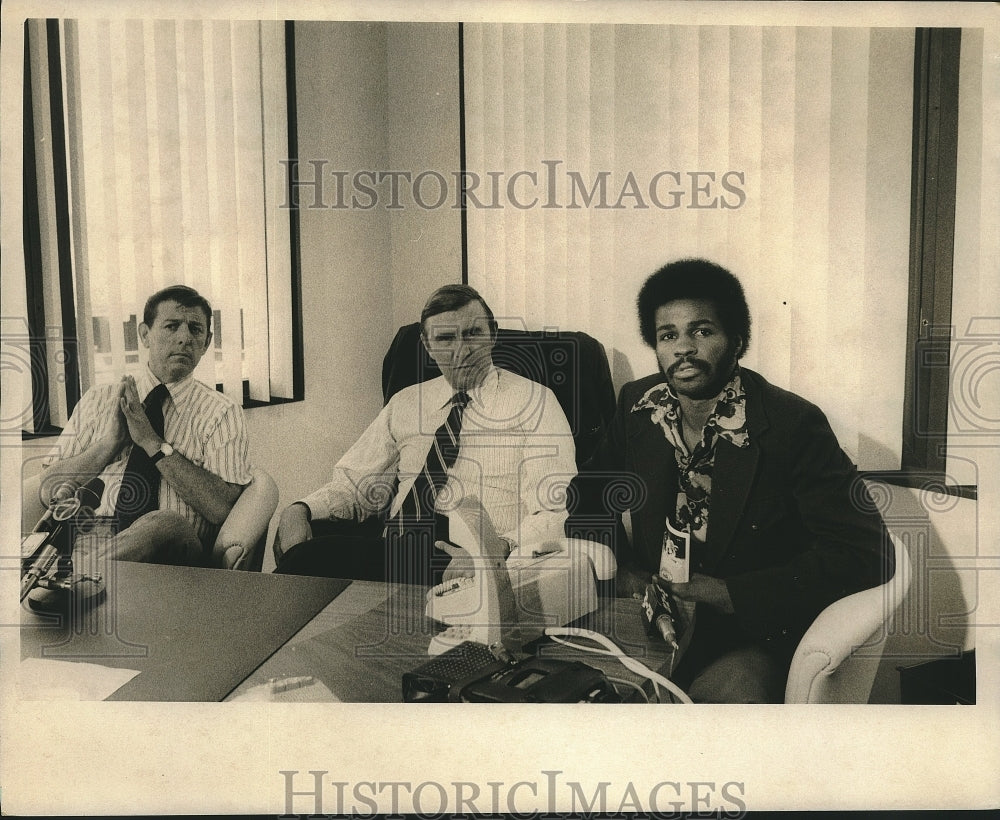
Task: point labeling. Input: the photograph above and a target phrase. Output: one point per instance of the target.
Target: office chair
(241, 540)
(837, 658)
(572, 364)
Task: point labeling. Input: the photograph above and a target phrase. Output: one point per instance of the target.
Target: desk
(363, 641)
(209, 634)
(192, 633)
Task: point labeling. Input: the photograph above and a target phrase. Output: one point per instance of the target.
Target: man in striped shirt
(199, 456)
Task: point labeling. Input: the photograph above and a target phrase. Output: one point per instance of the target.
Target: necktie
(140, 487)
(417, 510)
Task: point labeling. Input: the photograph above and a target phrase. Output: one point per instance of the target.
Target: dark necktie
(140, 487)
(417, 510)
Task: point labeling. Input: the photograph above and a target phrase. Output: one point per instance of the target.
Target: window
(153, 156)
(818, 164)
(783, 153)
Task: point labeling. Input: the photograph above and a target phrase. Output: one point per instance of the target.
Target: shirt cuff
(306, 508)
(317, 505)
(538, 528)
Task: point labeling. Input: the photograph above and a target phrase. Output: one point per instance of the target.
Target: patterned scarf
(694, 468)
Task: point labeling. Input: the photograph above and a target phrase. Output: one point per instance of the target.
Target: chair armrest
(32, 508)
(247, 523)
(830, 644)
(843, 626)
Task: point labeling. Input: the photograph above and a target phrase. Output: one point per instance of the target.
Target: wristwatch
(164, 451)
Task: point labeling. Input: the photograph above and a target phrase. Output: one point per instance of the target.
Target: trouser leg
(370, 558)
(745, 675)
(724, 665)
(159, 537)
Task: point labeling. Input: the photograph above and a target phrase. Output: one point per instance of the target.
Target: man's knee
(167, 522)
(160, 536)
(745, 675)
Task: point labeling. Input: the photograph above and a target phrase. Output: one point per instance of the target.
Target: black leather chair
(570, 363)
(574, 366)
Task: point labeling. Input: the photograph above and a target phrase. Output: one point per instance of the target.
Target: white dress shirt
(516, 455)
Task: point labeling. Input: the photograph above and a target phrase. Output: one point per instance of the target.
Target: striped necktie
(417, 510)
(140, 488)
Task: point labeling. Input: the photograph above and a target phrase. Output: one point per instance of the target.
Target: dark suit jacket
(791, 527)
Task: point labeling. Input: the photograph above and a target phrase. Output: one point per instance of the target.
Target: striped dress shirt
(200, 423)
(516, 455)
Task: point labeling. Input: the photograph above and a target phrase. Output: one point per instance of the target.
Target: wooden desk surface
(194, 634)
(208, 635)
(362, 642)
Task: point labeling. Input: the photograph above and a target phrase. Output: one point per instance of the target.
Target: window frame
(933, 196)
(39, 342)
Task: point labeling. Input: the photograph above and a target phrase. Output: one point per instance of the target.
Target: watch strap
(164, 450)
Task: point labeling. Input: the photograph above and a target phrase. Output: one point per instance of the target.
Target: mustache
(690, 361)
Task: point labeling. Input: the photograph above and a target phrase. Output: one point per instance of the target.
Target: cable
(613, 650)
(625, 660)
(631, 684)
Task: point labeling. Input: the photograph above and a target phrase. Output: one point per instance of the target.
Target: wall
(975, 310)
(423, 135)
(364, 272)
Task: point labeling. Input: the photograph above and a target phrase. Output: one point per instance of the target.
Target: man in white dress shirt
(514, 450)
(173, 453)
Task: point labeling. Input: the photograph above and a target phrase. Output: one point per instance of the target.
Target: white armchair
(241, 539)
(837, 658)
(240, 543)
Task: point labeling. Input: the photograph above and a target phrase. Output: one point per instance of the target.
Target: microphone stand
(64, 590)
(50, 584)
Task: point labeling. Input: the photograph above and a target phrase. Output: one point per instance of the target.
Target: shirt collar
(728, 418)
(146, 380)
(490, 382)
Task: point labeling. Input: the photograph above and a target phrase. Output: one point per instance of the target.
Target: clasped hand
(132, 422)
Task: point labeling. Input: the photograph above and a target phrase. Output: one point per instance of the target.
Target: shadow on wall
(621, 369)
(938, 615)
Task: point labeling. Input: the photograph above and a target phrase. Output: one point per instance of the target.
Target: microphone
(90, 494)
(660, 614)
(52, 535)
(63, 493)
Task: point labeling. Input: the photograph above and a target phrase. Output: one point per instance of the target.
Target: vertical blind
(781, 153)
(173, 131)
